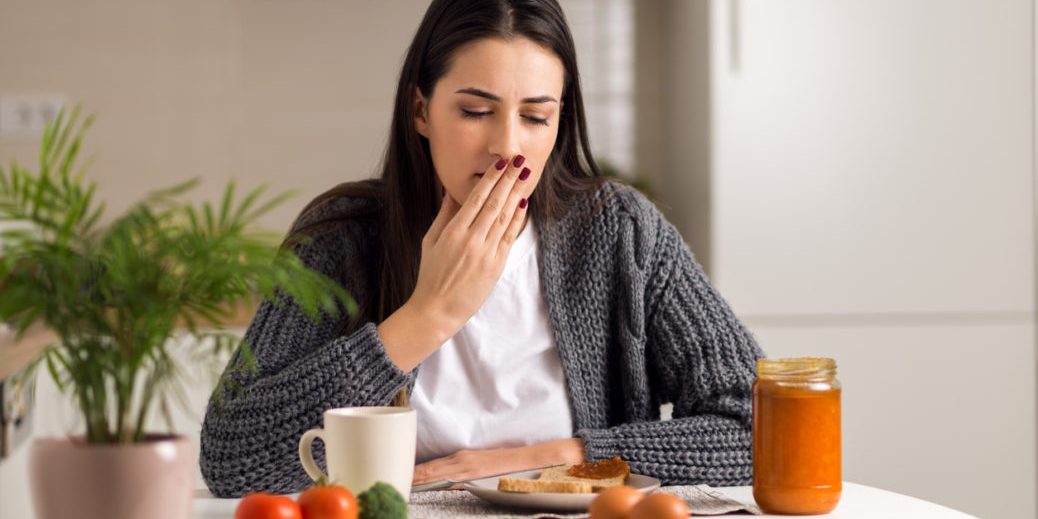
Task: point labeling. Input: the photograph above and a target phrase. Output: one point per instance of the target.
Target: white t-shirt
(498, 382)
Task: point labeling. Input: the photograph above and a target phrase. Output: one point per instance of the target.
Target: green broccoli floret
(382, 501)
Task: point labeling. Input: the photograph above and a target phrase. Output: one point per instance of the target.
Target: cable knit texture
(636, 322)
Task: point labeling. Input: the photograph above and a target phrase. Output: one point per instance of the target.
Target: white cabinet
(871, 180)
(872, 156)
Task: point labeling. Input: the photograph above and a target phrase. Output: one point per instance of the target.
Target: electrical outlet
(15, 415)
(25, 116)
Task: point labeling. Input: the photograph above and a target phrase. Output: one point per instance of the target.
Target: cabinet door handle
(733, 35)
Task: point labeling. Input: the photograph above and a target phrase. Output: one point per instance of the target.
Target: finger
(496, 202)
(425, 472)
(514, 228)
(507, 216)
(448, 208)
(418, 477)
(479, 194)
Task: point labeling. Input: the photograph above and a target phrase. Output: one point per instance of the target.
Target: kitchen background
(857, 176)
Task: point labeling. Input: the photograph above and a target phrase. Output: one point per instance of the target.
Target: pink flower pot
(71, 479)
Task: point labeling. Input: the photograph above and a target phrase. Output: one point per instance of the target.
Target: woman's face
(499, 99)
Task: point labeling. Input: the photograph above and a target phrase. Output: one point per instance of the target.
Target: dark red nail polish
(525, 174)
(501, 164)
(519, 159)
(522, 204)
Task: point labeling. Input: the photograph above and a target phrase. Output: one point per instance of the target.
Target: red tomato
(328, 502)
(660, 506)
(614, 502)
(260, 505)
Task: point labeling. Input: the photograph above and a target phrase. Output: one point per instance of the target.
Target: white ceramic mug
(363, 445)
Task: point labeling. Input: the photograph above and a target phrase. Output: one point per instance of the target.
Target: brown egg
(614, 502)
(660, 506)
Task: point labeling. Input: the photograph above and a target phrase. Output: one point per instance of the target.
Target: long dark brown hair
(408, 191)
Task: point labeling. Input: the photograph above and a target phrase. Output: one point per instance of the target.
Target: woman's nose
(505, 139)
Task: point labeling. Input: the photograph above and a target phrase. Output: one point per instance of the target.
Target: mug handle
(306, 453)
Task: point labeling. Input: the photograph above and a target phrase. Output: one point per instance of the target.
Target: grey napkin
(701, 499)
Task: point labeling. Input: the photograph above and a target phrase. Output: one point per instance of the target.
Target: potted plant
(115, 293)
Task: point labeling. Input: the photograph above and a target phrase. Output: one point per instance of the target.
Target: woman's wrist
(569, 451)
(411, 334)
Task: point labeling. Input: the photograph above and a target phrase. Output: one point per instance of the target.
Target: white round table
(861, 502)
(857, 502)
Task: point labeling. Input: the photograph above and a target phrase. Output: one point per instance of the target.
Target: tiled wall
(290, 94)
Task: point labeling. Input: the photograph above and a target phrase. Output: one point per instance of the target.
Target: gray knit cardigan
(635, 320)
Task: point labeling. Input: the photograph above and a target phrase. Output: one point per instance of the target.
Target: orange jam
(796, 436)
(604, 469)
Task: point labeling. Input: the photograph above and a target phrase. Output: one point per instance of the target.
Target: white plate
(486, 489)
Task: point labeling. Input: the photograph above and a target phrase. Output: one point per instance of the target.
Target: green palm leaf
(115, 294)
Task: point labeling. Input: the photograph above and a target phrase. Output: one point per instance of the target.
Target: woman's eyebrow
(492, 97)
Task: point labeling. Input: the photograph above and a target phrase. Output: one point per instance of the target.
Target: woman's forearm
(706, 448)
(470, 464)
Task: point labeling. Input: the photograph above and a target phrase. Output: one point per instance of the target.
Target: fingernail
(525, 174)
(522, 204)
(519, 159)
(501, 164)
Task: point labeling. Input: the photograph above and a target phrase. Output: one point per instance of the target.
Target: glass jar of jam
(796, 436)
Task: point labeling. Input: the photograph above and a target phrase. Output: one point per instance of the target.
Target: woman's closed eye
(477, 115)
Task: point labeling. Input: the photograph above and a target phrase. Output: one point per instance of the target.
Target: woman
(531, 312)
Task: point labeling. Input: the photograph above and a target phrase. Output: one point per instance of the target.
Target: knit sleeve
(251, 431)
(701, 359)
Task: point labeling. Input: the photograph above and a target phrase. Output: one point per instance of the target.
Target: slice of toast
(561, 473)
(557, 479)
(539, 485)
